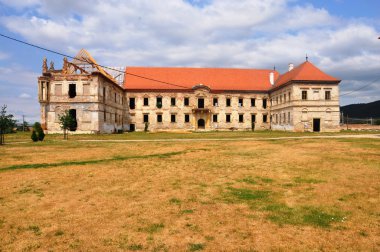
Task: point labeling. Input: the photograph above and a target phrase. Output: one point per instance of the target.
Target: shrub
(34, 136)
(39, 131)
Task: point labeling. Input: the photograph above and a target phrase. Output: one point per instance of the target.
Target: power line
(71, 57)
(369, 84)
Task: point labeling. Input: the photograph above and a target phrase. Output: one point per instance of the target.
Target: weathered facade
(169, 99)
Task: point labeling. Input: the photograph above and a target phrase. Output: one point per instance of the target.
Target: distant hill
(362, 110)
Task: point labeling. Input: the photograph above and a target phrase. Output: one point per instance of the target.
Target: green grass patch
(175, 201)
(248, 180)
(187, 211)
(300, 180)
(248, 194)
(35, 229)
(266, 180)
(135, 247)
(304, 215)
(153, 228)
(59, 233)
(196, 246)
(86, 162)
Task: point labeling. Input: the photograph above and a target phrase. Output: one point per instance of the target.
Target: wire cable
(83, 60)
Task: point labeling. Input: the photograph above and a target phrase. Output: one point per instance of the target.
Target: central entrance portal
(201, 124)
(316, 124)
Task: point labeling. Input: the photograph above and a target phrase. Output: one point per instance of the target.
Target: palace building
(106, 100)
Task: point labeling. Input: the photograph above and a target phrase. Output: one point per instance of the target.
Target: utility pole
(23, 123)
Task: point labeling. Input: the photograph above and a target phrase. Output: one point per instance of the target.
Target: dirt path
(371, 136)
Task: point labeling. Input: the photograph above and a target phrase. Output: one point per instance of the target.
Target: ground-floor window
(146, 118)
(228, 118)
(187, 118)
(241, 118)
(172, 118)
(159, 118)
(215, 117)
(265, 118)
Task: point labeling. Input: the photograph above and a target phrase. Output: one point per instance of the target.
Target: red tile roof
(304, 72)
(218, 79)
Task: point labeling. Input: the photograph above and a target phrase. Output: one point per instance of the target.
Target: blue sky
(339, 36)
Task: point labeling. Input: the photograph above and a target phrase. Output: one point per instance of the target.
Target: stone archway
(201, 124)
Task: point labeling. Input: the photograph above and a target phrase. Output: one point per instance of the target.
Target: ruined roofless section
(177, 98)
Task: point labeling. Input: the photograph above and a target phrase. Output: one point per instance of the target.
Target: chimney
(291, 66)
(271, 78)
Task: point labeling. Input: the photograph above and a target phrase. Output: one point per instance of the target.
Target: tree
(39, 131)
(6, 123)
(66, 121)
(34, 136)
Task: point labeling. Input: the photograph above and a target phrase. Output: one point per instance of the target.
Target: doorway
(201, 124)
(132, 127)
(316, 125)
(73, 114)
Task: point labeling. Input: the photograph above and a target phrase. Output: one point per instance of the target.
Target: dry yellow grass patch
(220, 196)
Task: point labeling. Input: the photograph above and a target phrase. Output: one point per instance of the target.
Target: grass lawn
(289, 194)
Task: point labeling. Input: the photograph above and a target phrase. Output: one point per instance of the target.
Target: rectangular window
(284, 97)
(115, 97)
(146, 118)
(159, 118)
(280, 98)
(201, 103)
(304, 95)
(72, 90)
(132, 103)
(327, 95)
(187, 118)
(58, 89)
(265, 118)
(288, 117)
(172, 101)
(215, 102)
(172, 118)
(289, 96)
(241, 118)
(253, 118)
(159, 102)
(186, 101)
(228, 118)
(146, 101)
(104, 95)
(253, 102)
(240, 102)
(228, 102)
(215, 117)
(265, 103)
(105, 116)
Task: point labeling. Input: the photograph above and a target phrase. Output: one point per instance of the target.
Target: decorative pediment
(201, 87)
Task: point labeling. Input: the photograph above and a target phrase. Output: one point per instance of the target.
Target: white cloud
(24, 96)
(221, 33)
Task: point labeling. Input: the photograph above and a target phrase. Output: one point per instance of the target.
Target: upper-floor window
(159, 102)
(58, 89)
(201, 103)
(172, 101)
(72, 90)
(289, 96)
(327, 95)
(304, 95)
(240, 102)
(146, 101)
(228, 102)
(253, 102)
(186, 101)
(115, 97)
(284, 97)
(132, 103)
(265, 103)
(104, 94)
(215, 102)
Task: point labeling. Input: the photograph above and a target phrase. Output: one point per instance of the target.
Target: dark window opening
(146, 101)
(228, 118)
(115, 97)
(265, 118)
(187, 118)
(104, 95)
(172, 101)
(186, 101)
(73, 114)
(201, 124)
(105, 116)
(146, 118)
(304, 95)
(240, 102)
(172, 118)
(316, 124)
(215, 118)
(327, 95)
(132, 104)
(241, 118)
(159, 102)
(253, 118)
(72, 90)
(265, 103)
(228, 102)
(132, 127)
(201, 103)
(215, 102)
(159, 118)
(253, 102)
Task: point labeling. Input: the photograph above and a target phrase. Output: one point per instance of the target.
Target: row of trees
(8, 123)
